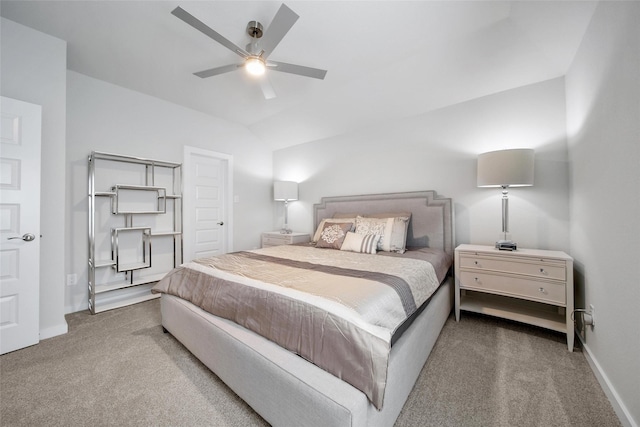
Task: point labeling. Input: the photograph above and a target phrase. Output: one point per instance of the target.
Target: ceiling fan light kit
(255, 66)
(256, 54)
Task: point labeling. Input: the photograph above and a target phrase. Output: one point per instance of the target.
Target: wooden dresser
(528, 285)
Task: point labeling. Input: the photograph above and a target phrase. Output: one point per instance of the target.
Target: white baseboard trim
(618, 406)
(54, 331)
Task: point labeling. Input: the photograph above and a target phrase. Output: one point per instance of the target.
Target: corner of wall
(609, 390)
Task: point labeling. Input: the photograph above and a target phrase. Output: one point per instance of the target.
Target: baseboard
(54, 331)
(618, 406)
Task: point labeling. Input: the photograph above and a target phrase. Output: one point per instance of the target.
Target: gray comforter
(336, 309)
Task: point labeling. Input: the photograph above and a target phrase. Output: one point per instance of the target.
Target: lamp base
(506, 245)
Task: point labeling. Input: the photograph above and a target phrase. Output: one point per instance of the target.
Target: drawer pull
(542, 290)
(475, 262)
(542, 271)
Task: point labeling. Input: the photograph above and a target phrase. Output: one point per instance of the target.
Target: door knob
(27, 237)
(221, 223)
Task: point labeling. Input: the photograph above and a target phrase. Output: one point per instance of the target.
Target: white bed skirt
(285, 389)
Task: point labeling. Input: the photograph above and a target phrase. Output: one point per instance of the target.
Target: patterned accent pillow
(364, 243)
(378, 226)
(316, 235)
(333, 235)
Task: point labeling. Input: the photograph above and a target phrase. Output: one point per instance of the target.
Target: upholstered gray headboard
(431, 216)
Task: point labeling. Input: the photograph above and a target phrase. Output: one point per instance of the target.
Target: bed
(286, 388)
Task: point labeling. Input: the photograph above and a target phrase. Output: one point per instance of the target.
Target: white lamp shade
(506, 168)
(285, 190)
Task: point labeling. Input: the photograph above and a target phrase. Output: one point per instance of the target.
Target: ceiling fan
(257, 52)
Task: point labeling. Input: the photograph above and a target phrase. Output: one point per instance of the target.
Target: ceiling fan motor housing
(254, 29)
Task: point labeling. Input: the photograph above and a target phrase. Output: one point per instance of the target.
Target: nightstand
(275, 238)
(528, 285)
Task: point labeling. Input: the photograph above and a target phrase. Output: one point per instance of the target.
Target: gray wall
(603, 111)
(438, 151)
(586, 133)
(34, 70)
(81, 114)
(105, 117)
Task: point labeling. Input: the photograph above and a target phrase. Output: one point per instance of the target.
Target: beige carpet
(118, 368)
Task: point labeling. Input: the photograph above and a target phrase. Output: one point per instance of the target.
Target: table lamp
(285, 191)
(506, 168)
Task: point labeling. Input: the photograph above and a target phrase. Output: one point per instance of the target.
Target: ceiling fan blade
(205, 29)
(267, 89)
(279, 27)
(218, 70)
(316, 73)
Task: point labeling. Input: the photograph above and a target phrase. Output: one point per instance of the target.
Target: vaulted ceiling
(386, 60)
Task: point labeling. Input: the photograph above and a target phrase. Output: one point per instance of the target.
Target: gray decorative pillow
(333, 234)
(316, 235)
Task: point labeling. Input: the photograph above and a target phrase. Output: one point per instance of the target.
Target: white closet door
(20, 225)
(207, 206)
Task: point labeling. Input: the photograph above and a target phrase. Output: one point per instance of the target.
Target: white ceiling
(386, 60)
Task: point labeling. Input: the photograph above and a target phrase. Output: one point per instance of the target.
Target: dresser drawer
(275, 240)
(514, 286)
(531, 267)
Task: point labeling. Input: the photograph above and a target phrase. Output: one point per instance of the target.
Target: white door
(20, 224)
(207, 206)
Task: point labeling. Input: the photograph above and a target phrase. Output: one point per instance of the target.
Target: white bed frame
(287, 390)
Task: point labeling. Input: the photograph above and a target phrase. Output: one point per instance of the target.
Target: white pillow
(318, 232)
(363, 243)
(379, 226)
(396, 239)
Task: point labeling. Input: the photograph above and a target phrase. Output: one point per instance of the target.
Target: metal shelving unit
(134, 204)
